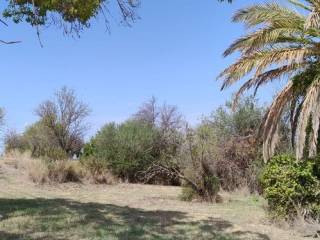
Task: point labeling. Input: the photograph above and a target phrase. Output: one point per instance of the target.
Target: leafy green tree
(71, 15)
(282, 42)
(40, 141)
(243, 120)
(125, 149)
(36, 139)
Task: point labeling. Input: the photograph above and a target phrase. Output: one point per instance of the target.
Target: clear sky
(173, 52)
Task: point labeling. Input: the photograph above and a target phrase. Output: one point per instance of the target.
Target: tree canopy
(71, 15)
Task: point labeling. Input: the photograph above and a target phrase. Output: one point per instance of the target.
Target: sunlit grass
(65, 219)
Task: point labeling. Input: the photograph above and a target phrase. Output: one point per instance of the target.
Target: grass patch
(65, 219)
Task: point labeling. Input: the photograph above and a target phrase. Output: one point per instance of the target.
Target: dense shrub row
(157, 146)
(154, 146)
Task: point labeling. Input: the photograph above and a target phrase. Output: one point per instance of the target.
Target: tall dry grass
(42, 171)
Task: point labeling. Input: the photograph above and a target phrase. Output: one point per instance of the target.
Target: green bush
(292, 187)
(188, 194)
(207, 190)
(211, 186)
(38, 140)
(125, 149)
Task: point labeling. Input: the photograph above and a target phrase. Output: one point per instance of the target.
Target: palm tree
(282, 43)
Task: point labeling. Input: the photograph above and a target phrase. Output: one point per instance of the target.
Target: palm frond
(301, 5)
(266, 36)
(264, 78)
(313, 20)
(309, 109)
(267, 13)
(269, 127)
(261, 60)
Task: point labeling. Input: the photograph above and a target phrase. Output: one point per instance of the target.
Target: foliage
(59, 132)
(14, 141)
(37, 140)
(125, 149)
(292, 187)
(195, 163)
(282, 43)
(239, 120)
(187, 194)
(40, 141)
(237, 150)
(168, 122)
(63, 119)
(129, 149)
(221, 148)
(71, 15)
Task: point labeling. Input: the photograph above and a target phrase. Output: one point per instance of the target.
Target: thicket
(238, 152)
(292, 187)
(129, 149)
(125, 149)
(221, 152)
(157, 146)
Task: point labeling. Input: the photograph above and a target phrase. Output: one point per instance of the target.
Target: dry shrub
(97, 170)
(309, 229)
(235, 165)
(103, 176)
(36, 169)
(100, 175)
(65, 171)
(43, 171)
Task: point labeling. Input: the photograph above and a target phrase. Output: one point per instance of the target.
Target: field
(125, 211)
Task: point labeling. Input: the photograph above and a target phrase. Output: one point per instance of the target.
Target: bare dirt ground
(126, 211)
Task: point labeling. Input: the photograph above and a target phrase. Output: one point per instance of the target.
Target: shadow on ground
(49, 219)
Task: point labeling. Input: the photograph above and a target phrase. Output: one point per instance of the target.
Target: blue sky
(173, 52)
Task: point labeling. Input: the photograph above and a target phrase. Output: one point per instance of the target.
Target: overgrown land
(125, 211)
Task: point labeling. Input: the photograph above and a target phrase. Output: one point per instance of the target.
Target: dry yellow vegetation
(78, 211)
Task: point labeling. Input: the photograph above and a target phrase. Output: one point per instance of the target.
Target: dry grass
(41, 171)
(36, 169)
(125, 212)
